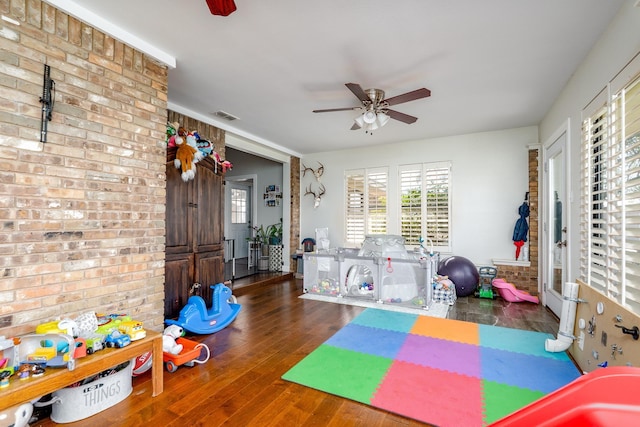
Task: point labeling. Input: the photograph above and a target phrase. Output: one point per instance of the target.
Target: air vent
(225, 115)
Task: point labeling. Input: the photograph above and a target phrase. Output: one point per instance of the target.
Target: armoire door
(209, 211)
(179, 220)
(177, 283)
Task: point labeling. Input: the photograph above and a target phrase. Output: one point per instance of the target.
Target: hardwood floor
(240, 385)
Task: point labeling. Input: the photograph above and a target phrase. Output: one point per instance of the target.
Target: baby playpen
(382, 271)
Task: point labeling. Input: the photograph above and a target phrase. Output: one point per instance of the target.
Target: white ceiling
(492, 64)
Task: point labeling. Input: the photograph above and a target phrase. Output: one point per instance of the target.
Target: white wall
(617, 46)
(490, 178)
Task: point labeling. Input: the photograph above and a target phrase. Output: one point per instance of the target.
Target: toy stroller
(485, 286)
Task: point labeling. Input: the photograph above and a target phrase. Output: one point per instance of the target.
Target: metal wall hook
(634, 332)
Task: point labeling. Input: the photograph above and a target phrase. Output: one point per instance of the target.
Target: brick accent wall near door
(81, 216)
(526, 277)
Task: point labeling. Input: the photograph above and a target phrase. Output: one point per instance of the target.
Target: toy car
(117, 339)
(94, 343)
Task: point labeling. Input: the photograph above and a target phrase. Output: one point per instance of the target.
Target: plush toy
(226, 164)
(443, 282)
(171, 333)
(172, 130)
(187, 155)
(205, 146)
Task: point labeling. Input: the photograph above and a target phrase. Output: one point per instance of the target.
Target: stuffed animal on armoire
(187, 155)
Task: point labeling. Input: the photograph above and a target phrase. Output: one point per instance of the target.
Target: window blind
(610, 222)
(425, 204)
(366, 204)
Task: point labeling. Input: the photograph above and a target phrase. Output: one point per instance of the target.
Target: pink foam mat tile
(436, 396)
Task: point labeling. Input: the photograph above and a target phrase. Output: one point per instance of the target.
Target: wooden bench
(21, 391)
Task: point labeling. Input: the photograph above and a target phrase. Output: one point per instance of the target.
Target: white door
(238, 215)
(554, 247)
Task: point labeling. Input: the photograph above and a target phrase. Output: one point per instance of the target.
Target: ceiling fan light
(382, 119)
(359, 121)
(369, 116)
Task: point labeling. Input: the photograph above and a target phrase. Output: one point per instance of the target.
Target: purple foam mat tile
(450, 356)
(364, 339)
(526, 371)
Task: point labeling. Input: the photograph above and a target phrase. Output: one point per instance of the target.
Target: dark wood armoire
(194, 230)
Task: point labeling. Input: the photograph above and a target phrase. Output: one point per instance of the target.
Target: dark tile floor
(498, 312)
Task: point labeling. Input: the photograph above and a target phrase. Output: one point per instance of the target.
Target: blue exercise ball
(462, 272)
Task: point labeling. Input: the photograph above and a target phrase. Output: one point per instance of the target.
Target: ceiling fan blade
(358, 92)
(409, 96)
(355, 126)
(401, 116)
(336, 109)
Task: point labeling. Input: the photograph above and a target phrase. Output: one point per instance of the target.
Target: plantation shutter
(366, 211)
(628, 129)
(610, 219)
(411, 213)
(355, 207)
(425, 204)
(377, 202)
(595, 148)
(437, 213)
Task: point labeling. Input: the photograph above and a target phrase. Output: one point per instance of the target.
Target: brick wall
(294, 235)
(526, 277)
(81, 216)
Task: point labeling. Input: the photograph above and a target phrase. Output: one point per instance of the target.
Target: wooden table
(21, 391)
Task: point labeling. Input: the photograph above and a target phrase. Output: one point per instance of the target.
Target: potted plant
(274, 233)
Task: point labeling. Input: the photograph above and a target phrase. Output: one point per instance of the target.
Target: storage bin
(92, 395)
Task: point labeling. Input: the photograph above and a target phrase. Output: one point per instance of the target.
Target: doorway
(239, 217)
(554, 248)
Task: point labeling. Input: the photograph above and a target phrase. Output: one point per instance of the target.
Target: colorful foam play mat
(438, 371)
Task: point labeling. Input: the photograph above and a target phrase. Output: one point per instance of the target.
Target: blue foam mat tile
(384, 319)
(369, 340)
(520, 341)
(522, 370)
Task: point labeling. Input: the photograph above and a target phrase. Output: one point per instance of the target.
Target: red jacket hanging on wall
(221, 7)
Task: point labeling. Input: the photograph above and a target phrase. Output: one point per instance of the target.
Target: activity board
(605, 332)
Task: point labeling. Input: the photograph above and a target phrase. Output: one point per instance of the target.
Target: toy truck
(133, 328)
(95, 343)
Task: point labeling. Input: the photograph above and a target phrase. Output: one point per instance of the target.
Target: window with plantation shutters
(366, 204)
(610, 204)
(425, 204)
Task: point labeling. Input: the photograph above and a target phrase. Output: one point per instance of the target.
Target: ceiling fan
(376, 108)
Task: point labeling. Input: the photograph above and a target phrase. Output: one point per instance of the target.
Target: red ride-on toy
(190, 355)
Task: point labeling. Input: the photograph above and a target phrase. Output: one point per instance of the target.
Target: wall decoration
(272, 196)
(316, 172)
(47, 100)
(317, 196)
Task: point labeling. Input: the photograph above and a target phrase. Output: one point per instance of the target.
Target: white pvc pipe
(567, 320)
